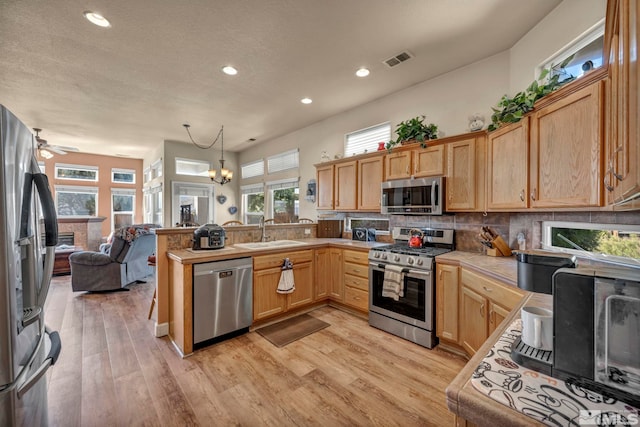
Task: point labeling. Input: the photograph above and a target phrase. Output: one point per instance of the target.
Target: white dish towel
(393, 284)
(286, 285)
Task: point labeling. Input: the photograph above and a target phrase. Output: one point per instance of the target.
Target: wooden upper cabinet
(345, 185)
(622, 165)
(429, 161)
(370, 175)
(507, 166)
(397, 165)
(465, 177)
(324, 182)
(566, 150)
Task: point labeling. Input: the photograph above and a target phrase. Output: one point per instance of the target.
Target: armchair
(117, 265)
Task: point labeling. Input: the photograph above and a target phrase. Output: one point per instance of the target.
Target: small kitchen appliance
(536, 268)
(596, 344)
(412, 315)
(208, 236)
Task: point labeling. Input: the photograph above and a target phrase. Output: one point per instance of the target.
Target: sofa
(119, 263)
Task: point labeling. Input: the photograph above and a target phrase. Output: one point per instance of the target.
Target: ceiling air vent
(399, 58)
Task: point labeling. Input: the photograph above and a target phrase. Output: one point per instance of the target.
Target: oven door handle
(418, 272)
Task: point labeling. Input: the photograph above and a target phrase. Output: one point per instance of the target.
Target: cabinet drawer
(356, 257)
(504, 295)
(356, 270)
(356, 282)
(276, 260)
(356, 298)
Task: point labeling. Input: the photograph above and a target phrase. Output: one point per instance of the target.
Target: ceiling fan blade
(65, 148)
(55, 149)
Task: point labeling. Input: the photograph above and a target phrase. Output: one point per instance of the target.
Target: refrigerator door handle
(50, 360)
(51, 233)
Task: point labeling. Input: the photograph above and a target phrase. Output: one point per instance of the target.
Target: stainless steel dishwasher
(222, 299)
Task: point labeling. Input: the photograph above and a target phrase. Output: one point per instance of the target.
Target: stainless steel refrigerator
(28, 236)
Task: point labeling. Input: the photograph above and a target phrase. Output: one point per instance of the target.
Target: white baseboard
(162, 329)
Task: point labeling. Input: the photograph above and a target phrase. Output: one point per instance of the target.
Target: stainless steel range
(402, 285)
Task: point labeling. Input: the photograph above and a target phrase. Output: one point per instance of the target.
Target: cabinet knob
(492, 319)
(607, 185)
(522, 195)
(482, 310)
(487, 289)
(533, 194)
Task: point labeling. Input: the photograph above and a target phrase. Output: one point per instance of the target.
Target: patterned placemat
(546, 399)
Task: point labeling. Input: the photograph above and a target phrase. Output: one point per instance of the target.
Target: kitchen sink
(269, 245)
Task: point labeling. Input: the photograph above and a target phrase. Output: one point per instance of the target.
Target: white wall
(446, 100)
(560, 27)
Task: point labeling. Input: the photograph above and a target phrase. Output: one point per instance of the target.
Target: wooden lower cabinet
(484, 304)
(356, 279)
(447, 302)
(322, 268)
(336, 277)
(266, 275)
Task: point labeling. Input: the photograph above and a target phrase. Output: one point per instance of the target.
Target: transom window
(77, 172)
(192, 167)
(381, 225)
(283, 161)
(126, 176)
(366, 140)
(612, 243)
(253, 169)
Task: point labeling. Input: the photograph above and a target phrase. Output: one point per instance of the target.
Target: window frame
(289, 160)
(115, 171)
(61, 189)
(372, 142)
(283, 184)
(83, 168)
(246, 191)
(349, 219)
(250, 166)
(123, 192)
(546, 241)
(194, 162)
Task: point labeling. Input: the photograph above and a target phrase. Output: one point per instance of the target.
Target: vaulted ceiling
(123, 90)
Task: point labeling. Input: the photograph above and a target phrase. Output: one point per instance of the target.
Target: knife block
(500, 248)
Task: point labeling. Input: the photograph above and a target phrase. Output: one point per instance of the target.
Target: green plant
(414, 129)
(511, 110)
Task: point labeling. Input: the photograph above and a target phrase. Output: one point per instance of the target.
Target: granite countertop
(504, 269)
(189, 256)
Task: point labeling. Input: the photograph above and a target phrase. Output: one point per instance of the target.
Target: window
(153, 204)
(252, 203)
(192, 167)
(613, 243)
(192, 203)
(366, 139)
(123, 202)
(285, 203)
(72, 201)
(253, 169)
(77, 172)
(283, 161)
(381, 225)
(126, 176)
(586, 50)
(147, 174)
(156, 169)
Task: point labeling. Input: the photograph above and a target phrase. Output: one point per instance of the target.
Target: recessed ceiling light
(97, 19)
(229, 70)
(306, 100)
(362, 72)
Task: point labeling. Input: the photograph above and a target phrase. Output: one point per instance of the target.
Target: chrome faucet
(263, 237)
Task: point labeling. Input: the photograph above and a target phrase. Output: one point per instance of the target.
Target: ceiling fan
(47, 150)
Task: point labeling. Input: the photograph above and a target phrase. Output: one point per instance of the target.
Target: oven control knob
(384, 256)
(396, 258)
(376, 255)
(419, 261)
(410, 261)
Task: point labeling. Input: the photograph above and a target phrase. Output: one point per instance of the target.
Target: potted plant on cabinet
(413, 130)
(511, 110)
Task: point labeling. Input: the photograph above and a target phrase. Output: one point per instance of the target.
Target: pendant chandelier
(225, 174)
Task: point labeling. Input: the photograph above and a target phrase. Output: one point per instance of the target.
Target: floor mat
(290, 330)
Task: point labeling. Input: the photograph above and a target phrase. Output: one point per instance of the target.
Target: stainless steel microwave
(421, 196)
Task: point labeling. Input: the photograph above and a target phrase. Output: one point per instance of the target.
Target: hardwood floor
(113, 372)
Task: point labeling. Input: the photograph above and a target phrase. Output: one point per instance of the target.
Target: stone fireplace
(86, 232)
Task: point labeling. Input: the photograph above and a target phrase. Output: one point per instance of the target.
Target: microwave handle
(434, 193)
